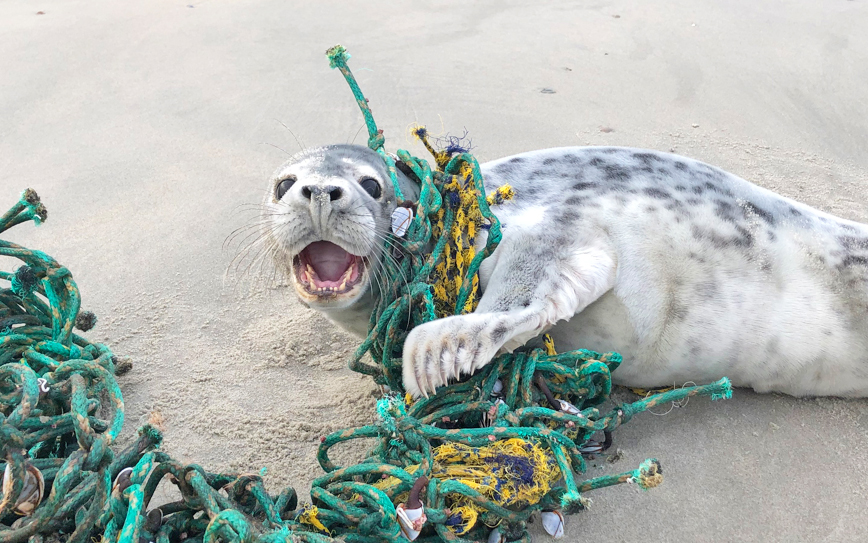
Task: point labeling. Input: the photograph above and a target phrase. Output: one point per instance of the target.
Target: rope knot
(725, 390)
(35, 209)
(24, 281)
(389, 409)
(377, 141)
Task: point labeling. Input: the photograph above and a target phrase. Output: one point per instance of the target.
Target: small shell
(31, 493)
(122, 481)
(496, 537)
(497, 390)
(553, 523)
(569, 408)
(591, 447)
(154, 520)
(411, 520)
(401, 218)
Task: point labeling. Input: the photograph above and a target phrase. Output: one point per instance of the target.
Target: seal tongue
(328, 260)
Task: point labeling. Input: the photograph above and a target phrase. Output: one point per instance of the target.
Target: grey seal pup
(688, 271)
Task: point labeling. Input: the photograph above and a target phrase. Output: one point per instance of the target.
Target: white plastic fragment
(411, 515)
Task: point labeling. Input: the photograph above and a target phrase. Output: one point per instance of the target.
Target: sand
(146, 127)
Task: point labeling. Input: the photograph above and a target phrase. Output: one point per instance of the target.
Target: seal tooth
(346, 277)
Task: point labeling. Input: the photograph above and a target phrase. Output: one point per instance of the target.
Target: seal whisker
(263, 256)
(263, 208)
(386, 239)
(300, 145)
(276, 147)
(256, 251)
(245, 229)
(389, 244)
(258, 234)
(252, 250)
(359, 131)
(397, 265)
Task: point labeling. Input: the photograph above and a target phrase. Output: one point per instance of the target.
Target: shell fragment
(411, 520)
(401, 218)
(569, 408)
(496, 537)
(31, 492)
(553, 523)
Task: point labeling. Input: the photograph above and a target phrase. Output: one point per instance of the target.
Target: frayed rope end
(649, 474)
(338, 56)
(726, 392)
(573, 502)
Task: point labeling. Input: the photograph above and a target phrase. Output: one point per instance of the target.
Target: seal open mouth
(327, 270)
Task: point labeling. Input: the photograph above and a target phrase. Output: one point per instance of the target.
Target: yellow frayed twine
(460, 249)
(308, 516)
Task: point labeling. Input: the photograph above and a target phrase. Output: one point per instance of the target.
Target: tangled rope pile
(503, 444)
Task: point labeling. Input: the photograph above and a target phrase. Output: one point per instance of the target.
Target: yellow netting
(510, 472)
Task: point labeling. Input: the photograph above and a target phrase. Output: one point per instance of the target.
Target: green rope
(61, 410)
(338, 58)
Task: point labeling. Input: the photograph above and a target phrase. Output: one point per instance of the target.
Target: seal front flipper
(530, 286)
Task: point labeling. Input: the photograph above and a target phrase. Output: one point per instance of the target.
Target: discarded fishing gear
(471, 463)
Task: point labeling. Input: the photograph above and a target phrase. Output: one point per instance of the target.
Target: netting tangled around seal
(484, 454)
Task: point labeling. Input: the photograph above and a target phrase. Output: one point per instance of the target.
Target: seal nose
(310, 191)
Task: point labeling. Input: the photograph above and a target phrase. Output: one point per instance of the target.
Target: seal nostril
(314, 190)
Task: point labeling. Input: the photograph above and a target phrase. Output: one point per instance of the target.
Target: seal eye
(283, 186)
(371, 186)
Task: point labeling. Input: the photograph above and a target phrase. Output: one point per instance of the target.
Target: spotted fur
(690, 272)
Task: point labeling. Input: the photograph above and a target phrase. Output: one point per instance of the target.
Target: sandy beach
(150, 129)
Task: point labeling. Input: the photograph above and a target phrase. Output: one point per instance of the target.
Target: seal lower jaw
(326, 276)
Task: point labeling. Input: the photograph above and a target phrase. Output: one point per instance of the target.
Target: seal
(688, 271)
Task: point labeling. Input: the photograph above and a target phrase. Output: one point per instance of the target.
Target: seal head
(327, 213)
